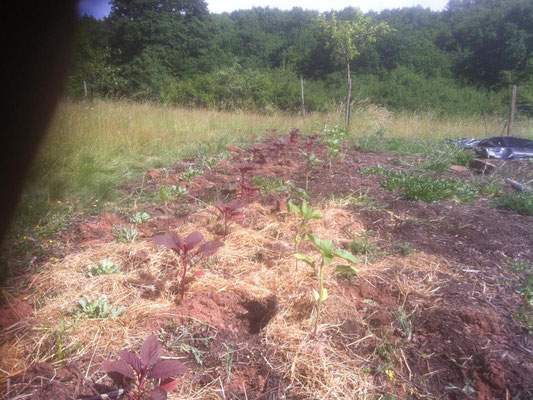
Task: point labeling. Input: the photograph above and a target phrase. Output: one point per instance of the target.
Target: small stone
(459, 168)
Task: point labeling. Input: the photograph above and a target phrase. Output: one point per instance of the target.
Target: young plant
(328, 254)
(139, 218)
(100, 308)
(306, 214)
(229, 213)
(104, 267)
(258, 154)
(333, 141)
(125, 234)
(245, 187)
(294, 136)
(146, 377)
(311, 158)
(191, 173)
(184, 249)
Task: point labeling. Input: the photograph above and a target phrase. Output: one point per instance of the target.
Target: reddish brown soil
(465, 340)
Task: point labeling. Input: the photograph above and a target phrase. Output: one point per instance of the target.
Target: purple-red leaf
(167, 369)
(169, 385)
(150, 351)
(238, 217)
(192, 240)
(209, 248)
(157, 394)
(118, 370)
(171, 240)
(131, 359)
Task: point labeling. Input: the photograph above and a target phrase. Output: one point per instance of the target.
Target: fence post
(511, 112)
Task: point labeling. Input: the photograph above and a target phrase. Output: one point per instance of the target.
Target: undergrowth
(522, 202)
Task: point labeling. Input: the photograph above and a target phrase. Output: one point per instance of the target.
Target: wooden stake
(511, 112)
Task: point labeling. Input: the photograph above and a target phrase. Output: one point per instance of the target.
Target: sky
(100, 8)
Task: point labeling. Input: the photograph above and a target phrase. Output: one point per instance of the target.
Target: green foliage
(365, 247)
(104, 267)
(167, 193)
(125, 234)
(190, 174)
(269, 185)
(100, 308)
(139, 218)
(377, 169)
(328, 253)
(428, 189)
(519, 202)
(525, 314)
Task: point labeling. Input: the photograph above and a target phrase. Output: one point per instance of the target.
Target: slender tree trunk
(303, 96)
(85, 90)
(348, 97)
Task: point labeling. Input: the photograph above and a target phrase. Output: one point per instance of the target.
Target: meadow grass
(92, 147)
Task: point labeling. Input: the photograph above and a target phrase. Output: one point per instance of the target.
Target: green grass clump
(269, 185)
(375, 170)
(522, 203)
(428, 189)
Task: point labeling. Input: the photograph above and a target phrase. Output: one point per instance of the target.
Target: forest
(461, 60)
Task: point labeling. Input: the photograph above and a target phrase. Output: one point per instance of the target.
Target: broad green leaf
(293, 207)
(305, 259)
(346, 255)
(346, 270)
(304, 207)
(322, 298)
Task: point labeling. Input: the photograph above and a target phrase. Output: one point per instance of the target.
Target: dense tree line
(462, 59)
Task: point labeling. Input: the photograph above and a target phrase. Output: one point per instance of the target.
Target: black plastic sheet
(500, 147)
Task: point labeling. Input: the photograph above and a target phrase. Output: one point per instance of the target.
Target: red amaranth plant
(229, 213)
(258, 154)
(145, 377)
(246, 188)
(294, 136)
(184, 249)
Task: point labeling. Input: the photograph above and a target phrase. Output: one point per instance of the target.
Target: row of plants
(146, 378)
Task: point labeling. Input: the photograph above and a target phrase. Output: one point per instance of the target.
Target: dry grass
(316, 366)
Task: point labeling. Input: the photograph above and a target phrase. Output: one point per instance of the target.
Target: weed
(403, 248)
(365, 247)
(125, 234)
(190, 174)
(521, 202)
(328, 254)
(269, 185)
(520, 266)
(184, 249)
(405, 322)
(104, 267)
(428, 189)
(190, 339)
(139, 218)
(100, 308)
(137, 376)
(525, 314)
(377, 169)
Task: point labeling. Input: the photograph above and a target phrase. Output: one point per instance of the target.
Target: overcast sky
(100, 8)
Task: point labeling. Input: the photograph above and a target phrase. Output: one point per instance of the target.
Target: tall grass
(92, 147)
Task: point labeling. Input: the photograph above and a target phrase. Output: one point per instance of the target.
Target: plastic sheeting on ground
(501, 147)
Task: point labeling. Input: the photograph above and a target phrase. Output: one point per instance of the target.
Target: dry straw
(315, 366)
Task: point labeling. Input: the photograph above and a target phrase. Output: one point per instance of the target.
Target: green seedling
(100, 308)
(125, 234)
(306, 214)
(311, 158)
(104, 267)
(139, 218)
(191, 173)
(328, 253)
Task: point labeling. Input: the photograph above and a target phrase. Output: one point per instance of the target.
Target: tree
(346, 38)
